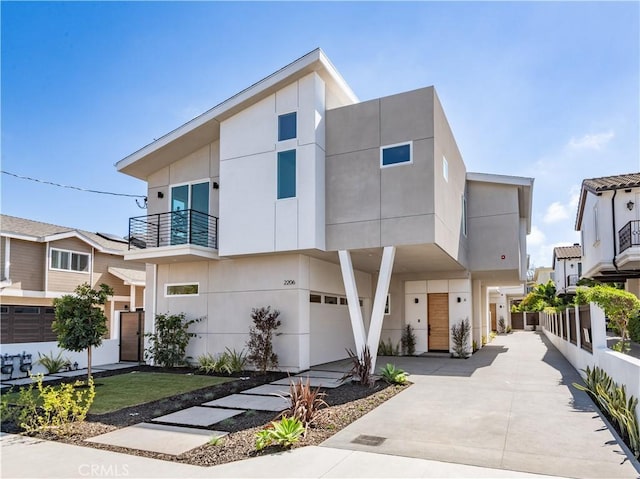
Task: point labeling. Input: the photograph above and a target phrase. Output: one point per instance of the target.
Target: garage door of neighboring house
(131, 336)
(438, 321)
(27, 324)
(330, 329)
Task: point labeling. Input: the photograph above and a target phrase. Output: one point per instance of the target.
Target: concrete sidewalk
(510, 406)
(30, 458)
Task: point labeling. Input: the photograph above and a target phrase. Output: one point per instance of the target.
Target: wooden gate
(131, 335)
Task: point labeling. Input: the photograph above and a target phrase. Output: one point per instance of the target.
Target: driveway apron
(510, 406)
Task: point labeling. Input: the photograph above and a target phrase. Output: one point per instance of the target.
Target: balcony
(629, 243)
(185, 235)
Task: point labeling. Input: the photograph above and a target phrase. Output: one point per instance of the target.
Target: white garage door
(331, 332)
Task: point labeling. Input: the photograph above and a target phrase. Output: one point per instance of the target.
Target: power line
(71, 187)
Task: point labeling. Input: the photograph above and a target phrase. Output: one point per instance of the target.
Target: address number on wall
(289, 282)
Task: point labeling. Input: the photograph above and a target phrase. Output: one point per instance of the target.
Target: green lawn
(131, 389)
(124, 390)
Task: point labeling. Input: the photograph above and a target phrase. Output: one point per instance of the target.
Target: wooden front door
(494, 321)
(131, 336)
(438, 321)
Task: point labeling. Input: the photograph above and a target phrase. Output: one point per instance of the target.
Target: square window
(396, 154)
(287, 128)
(287, 174)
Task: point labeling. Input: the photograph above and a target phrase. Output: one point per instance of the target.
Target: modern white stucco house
(347, 216)
(609, 222)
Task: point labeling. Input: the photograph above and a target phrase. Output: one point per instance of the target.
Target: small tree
(168, 344)
(460, 335)
(79, 321)
(617, 304)
(260, 343)
(408, 341)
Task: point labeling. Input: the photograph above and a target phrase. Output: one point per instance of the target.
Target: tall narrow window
(445, 169)
(596, 228)
(392, 155)
(287, 174)
(287, 127)
(464, 215)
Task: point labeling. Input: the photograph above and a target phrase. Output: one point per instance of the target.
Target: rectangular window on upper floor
(286, 174)
(182, 289)
(445, 169)
(69, 261)
(464, 215)
(287, 126)
(399, 154)
(596, 226)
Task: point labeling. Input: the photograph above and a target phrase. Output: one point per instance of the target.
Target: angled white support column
(382, 289)
(349, 279)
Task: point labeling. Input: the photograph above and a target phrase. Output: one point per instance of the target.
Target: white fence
(580, 334)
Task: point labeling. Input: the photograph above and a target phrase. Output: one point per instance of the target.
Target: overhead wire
(71, 187)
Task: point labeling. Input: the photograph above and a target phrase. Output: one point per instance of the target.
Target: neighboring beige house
(352, 218)
(567, 268)
(40, 262)
(609, 222)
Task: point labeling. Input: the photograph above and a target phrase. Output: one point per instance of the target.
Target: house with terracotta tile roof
(567, 268)
(608, 219)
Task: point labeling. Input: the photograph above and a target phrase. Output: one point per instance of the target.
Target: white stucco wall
(252, 219)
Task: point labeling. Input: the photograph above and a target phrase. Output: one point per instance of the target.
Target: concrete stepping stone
(23, 381)
(247, 401)
(268, 390)
(116, 366)
(328, 383)
(321, 374)
(76, 372)
(198, 416)
(160, 438)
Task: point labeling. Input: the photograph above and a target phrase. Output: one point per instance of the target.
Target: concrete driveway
(510, 406)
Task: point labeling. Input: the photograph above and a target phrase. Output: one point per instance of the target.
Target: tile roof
(565, 252)
(39, 230)
(617, 182)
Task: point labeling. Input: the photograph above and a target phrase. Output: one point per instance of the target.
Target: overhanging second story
(297, 163)
(609, 221)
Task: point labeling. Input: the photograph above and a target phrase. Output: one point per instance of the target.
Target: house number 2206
(289, 282)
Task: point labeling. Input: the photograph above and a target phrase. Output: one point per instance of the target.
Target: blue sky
(549, 90)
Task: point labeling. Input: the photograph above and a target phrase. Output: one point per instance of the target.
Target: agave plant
(285, 432)
(393, 375)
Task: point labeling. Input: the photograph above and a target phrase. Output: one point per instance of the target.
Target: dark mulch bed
(345, 404)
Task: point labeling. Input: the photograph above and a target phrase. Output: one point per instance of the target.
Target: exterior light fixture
(630, 205)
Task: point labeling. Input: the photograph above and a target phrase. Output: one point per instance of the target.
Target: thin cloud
(536, 237)
(591, 141)
(556, 212)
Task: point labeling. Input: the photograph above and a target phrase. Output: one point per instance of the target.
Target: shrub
(304, 402)
(501, 325)
(361, 367)
(51, 407)
(285, 432)
(460, 336)
(260, 344)
(612, 400)
(617, 304)
(53, 364)
(474, 345)
(393, 375)
(634, 327)
(508, 328)
(168, 345)
(388, 349)
(237, 360)
(408, 341)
